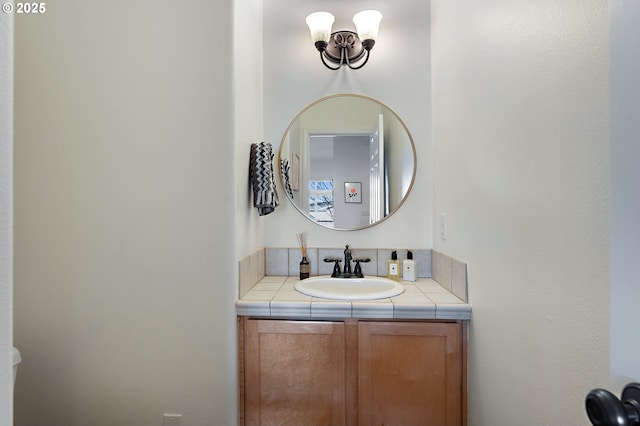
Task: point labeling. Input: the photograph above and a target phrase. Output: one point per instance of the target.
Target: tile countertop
(274, 296)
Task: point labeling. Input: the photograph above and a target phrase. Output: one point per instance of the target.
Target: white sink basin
(366, 288)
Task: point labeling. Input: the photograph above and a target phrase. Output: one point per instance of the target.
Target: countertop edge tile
(443, 305)
(382, 308)
(253, 308)
(290, 308)
(454, 311)
(417, 311)
(330, 309)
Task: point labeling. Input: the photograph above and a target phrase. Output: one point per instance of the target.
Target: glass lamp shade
(367, 24)
(320, 25)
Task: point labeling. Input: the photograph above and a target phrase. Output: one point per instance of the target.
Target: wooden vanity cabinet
(410, 373)
(356, 372)
(294, 373)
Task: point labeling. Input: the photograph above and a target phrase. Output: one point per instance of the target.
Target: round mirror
(347, 162)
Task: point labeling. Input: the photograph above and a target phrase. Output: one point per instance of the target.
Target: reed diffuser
(305, 267)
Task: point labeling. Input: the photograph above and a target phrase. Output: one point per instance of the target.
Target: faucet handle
(336, 267)
(357, 271)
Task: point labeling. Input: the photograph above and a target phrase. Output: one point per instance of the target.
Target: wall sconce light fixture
(344, 47)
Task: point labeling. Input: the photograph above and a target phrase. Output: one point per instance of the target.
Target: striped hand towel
(265, 196)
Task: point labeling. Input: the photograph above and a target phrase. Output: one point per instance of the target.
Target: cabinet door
(409, 373)
(294, 373)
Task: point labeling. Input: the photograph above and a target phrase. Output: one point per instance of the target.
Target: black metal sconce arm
(344, 48)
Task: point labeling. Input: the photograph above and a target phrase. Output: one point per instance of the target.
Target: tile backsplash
(449, 272)
(285, 261)
(251, 270)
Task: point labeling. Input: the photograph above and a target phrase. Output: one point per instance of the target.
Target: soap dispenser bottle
(409, 267)
(393, 267)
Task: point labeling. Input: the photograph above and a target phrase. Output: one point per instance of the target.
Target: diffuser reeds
(303, 247)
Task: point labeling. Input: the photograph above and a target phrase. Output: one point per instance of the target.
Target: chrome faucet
(347, 273)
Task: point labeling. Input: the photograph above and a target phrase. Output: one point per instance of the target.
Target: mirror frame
(382, 105)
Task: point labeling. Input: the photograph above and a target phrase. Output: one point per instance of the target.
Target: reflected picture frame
(353, 192)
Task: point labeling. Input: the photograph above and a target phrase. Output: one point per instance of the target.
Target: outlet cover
(169, 419)
(443, 226)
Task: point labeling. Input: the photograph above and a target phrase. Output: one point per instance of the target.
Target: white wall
(625, 196)
(521, 141)
(248, 119)
(124, 214)
(6, 218)
(351, 164)
(397, 74)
